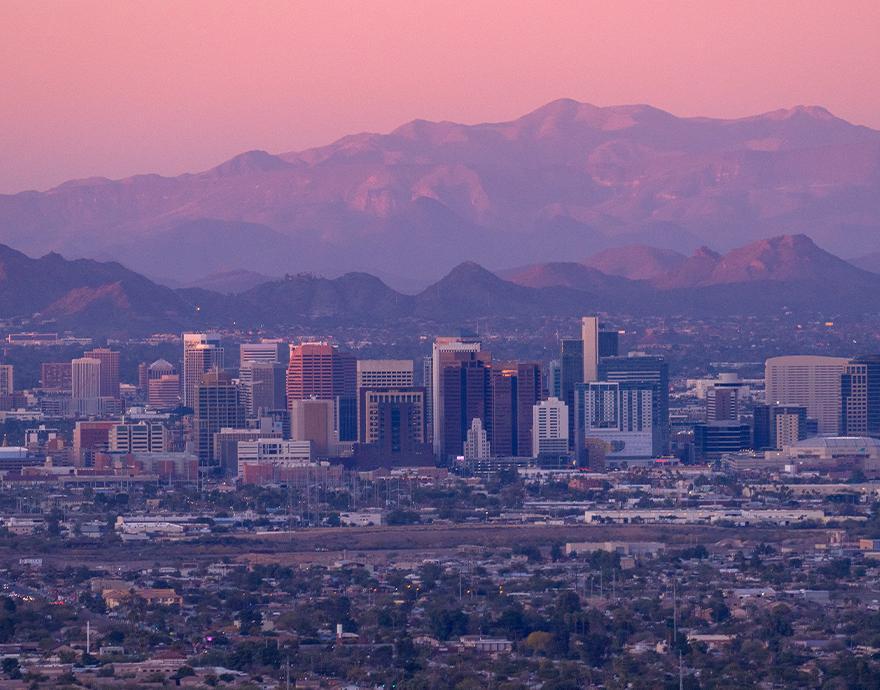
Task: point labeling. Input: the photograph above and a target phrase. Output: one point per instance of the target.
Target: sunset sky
(116, 88)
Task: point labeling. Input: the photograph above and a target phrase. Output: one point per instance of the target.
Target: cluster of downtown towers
(467, 406)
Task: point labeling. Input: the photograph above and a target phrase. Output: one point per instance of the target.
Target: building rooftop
(839, 442)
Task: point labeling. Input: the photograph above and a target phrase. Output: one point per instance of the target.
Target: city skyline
(439, 345)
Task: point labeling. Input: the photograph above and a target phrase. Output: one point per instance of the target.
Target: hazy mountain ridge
(85, 294)
(764, 277)
(567, 179)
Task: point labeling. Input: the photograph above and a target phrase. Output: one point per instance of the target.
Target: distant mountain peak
(704, 252)
(256, 161)
(469, 269)
(816, 112)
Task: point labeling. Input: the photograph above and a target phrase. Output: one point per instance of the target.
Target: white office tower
(269, 351)
(85, 378)
(477, 447)
(381, 374)
(443, 351)
(808, 380)
(202, 352)
(590, 336)
(273, 451)
(384, 373)
(550, 428)
(619, 413)
(138, 437)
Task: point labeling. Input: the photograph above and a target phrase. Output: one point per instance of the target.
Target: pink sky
(120, 87)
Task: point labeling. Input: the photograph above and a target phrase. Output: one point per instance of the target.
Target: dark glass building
(714, 439)
(218, 406)
(860, 397)
(467, 394)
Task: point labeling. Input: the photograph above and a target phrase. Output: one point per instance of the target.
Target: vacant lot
(323, 545)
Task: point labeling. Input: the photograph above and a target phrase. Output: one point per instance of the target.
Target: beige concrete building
(809, 380)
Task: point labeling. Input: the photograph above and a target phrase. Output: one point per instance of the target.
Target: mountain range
(784, 273)
(566, 180)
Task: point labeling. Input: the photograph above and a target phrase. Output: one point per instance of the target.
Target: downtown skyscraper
(321, 371)
(202, 352)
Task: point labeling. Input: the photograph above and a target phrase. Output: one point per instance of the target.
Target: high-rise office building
(644, 369)
(321, 371)
(202, 352)
(579, 360)
(138, 437)
(515, 388)
(218, 406)
(722, 404)
(447, 350)
(725, 396)
(159, 368)
(393, 420)
(85, 378)
(777, 426)
(312, 420)
(7, 379)
(163, 385)
(55, 376)
(143, 376)
(109, 370)
(528, 393)
(809, 380)
(502, 426)
(554, 379)
(619, 413)
(549, 428)
(571, 362)
(164, 392)
(609, 343)
(789, 425)
(590, 339)
(715, 439)
(90, 437)
(466, 394)
(263, 387)
(382, 374)
(477, 445)
(269, 351)
(310, 372)
(860, 397)
(344, 383)
(428, 383)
